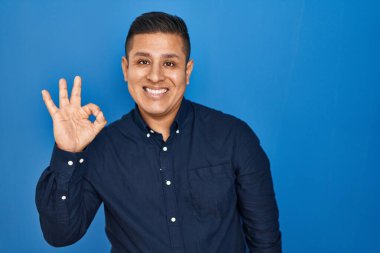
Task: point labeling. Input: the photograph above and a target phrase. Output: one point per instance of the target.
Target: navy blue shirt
(207, 189)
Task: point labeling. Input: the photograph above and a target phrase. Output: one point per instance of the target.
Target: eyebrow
(162, 56)
(170, 56)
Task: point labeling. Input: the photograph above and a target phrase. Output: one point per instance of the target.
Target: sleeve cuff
(64, 162)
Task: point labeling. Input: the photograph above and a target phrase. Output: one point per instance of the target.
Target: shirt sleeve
(256, 198)
(66, 201)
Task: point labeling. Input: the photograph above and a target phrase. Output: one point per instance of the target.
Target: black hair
(153, 22)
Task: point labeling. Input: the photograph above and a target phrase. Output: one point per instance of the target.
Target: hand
(73, 131)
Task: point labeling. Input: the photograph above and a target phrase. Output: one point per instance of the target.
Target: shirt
(207, 189)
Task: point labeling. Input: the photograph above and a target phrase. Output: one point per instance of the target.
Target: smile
(156, 91)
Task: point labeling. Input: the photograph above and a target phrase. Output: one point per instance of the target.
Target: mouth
(155, 92)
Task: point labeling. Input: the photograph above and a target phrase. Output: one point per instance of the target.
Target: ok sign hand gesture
(73, 131)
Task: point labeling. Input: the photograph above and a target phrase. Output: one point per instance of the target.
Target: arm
(65, 199)
(256, 198)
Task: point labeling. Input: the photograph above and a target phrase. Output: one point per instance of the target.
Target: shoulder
(113, 131)
(214, 121)
(219, 119)
(208, 114)
(121, 125)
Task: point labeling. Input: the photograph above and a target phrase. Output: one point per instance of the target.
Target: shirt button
(81, 160)
(148, 135)
(164, 148)
(70, 163)
(173, 219)
(168, 182)
(151, 131)
(63, 197)
(177, 131)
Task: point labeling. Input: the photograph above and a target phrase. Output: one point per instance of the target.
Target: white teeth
(156, 92)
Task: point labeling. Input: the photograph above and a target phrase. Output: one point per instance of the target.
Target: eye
(169, 64)
(143, 62)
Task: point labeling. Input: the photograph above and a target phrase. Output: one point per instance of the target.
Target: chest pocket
(212, 190)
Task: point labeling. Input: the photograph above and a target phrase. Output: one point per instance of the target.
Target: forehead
(157, 44)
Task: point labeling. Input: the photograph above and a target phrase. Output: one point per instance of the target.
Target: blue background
(304, 74)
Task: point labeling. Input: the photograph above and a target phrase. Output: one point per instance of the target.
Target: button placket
(166, 172)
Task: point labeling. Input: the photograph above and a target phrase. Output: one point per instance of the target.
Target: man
(174, 176)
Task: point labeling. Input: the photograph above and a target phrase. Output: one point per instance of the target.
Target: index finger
(75, 98)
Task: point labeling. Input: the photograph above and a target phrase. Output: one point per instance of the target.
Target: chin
(154, 110)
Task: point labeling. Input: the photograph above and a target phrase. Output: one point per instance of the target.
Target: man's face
(157, 73)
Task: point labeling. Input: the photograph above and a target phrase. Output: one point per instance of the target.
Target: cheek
(131, 88)
(135, 74)
(177, 77)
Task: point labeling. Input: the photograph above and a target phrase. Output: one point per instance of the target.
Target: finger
(63, 97)
(100, 121)
(49, 103)
(91, 109)
(75, 98)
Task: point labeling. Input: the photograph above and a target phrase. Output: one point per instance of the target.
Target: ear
(124, 66)
(189, 69)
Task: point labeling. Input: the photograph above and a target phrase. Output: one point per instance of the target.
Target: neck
(160, 124)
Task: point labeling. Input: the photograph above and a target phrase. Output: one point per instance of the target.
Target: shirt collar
(179, 122)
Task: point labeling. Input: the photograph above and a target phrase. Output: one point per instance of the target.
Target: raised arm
(66, 200)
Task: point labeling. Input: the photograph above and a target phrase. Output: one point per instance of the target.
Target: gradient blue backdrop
(304, 74)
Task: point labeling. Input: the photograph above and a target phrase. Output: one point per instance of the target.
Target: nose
(155, 74)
